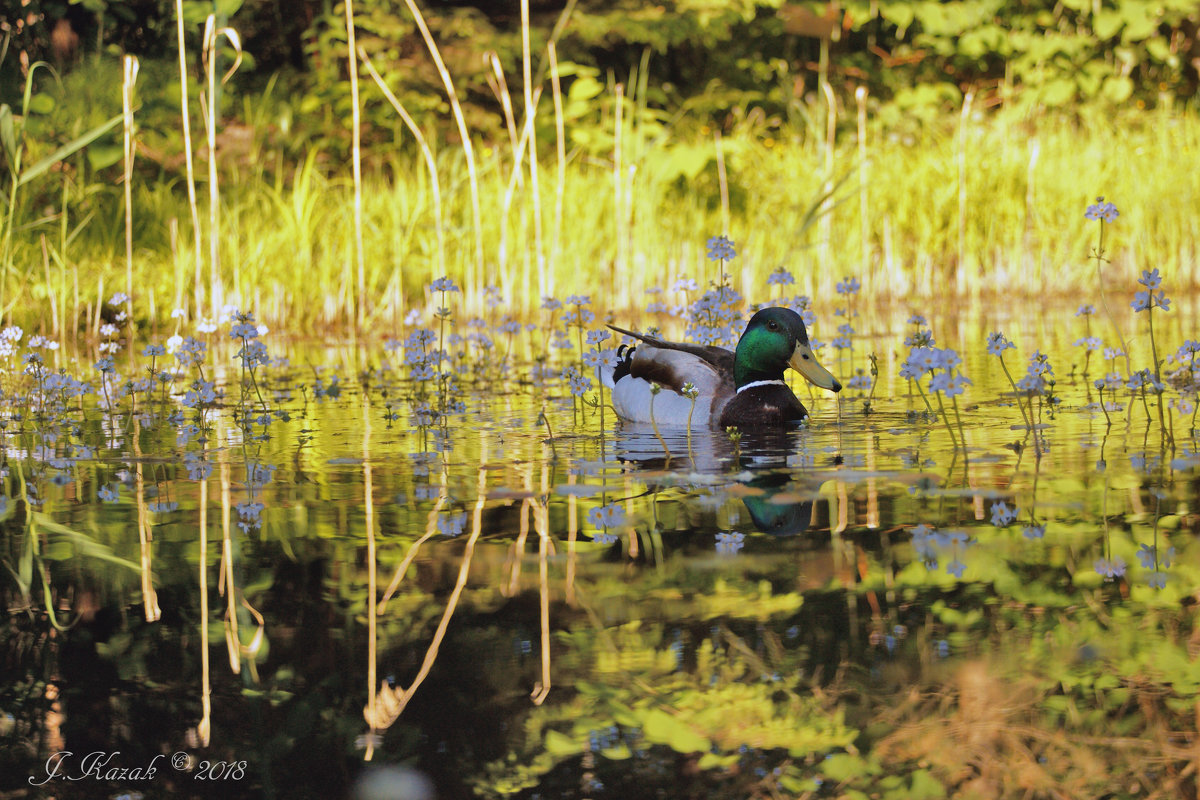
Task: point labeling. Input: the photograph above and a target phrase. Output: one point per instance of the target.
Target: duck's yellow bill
(804, 362)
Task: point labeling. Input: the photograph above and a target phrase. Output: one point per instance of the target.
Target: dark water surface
(857, 607)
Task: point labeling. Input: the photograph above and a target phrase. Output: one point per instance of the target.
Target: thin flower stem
(1013, 384)
(1162, 423)
(946, 419)
(962, 433)
(600, 387)
(1153, 345)
(443, 312)
(579, 332)
(920, 391)
(691, 455)
(654, 424)
(1099, 256)
(549, 433)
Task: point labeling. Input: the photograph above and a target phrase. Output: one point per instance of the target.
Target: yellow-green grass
(288, 240)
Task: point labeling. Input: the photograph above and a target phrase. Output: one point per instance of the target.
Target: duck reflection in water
(755, 468)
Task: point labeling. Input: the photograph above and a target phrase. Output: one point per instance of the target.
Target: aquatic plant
(997, 343)
(941, 366)
(712, 319)
(1105, 213)
(443, 286)
(1147, 301)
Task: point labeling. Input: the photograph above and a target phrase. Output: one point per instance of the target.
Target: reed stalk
(186, 123)
(500, 88)
(547, 288)
(960, 159)
(535, 193)
(618, 264)
(390, 701)
(828, 183)
(723, 185)
(129, 78)
(372, 566)
(468, 147)
(204, 727)
(435, 186)
(356, 164)
(209, 107)
(864, 182)
(541, 522)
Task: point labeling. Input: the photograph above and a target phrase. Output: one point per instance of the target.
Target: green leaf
(58, 551)
(41, 103)
(1118, 88)
(925, 786)
(8, 133)
(1106, 24)
(714, 761)
(25, 569)
(1140, 23)
(559, 744)
(842, 767)
(84, 545)
(1058, 92)
(662, 728)
(104, 156)
(899, 14)
(618, 752)
(67, 149)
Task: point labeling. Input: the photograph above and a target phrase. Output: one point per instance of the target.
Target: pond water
(518, 598)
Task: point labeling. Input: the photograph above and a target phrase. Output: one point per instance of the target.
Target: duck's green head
(776, 339)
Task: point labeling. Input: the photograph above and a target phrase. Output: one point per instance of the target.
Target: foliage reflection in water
(977, 586)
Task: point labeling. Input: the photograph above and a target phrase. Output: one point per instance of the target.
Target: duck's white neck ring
(753, 384)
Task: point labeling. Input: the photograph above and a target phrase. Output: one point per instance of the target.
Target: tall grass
(978, 205)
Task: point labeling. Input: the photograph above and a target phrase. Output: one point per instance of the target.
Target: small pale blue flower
(1110, 568)
(997, 343)
(1002, 515)
(1102, 210)
(780, 277)
(444, 285)
(848, 286)
(720, 248)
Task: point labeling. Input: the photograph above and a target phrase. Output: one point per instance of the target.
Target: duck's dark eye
(772, 325)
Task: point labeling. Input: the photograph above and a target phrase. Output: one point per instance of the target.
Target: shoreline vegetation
(937, 200)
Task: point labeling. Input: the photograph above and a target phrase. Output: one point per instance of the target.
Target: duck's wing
(720, 358)
(671, 369)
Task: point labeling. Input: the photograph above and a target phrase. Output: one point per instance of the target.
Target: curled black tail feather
(625, 365)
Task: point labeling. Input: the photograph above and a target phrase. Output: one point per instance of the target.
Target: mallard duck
(744, 388)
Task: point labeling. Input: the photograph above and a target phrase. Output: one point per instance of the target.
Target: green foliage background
(989, 124)
(706, 57)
